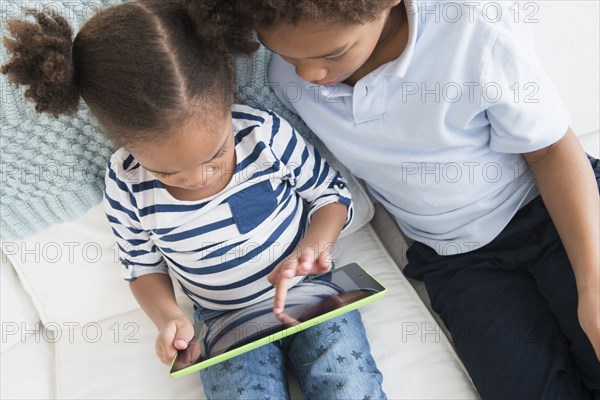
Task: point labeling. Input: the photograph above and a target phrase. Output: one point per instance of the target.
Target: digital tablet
(309, 303)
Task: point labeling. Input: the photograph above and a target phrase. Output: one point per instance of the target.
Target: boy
(447, 115)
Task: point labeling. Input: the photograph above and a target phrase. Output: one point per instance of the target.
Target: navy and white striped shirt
(221, 249)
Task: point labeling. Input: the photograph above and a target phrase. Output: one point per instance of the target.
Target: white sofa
(96, 343)
(71, 329)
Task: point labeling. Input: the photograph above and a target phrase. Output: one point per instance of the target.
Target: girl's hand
(174, 334)
(308, 262)
(589, 317)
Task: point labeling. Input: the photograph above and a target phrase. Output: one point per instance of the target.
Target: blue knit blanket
(52, 169)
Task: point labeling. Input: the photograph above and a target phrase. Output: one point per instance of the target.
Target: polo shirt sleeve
(310, 175)
(138, 254)
(521, 103)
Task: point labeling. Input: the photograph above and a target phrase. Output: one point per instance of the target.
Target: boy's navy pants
(511, 308)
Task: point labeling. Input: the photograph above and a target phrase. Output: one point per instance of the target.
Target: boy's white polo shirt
(438, 133)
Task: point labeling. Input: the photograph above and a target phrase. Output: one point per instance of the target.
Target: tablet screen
(306, 301)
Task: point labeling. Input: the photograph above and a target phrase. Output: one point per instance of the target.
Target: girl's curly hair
(139, 66)
(42, 60)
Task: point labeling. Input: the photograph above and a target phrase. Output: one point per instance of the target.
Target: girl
(419, 101)
(209, 192)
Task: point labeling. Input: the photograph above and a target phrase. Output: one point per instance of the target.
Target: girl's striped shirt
(221, 249)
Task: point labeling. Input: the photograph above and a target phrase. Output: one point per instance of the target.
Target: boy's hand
(589, 318)
(308, 262)
(174, 334)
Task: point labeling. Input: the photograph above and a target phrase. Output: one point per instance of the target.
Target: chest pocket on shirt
(252, 205)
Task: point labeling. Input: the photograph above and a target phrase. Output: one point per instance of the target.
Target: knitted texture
(52, 169)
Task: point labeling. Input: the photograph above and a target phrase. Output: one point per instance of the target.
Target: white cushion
(71, 271)
(115, 358)
(18, 316)
(412, 352)
(28, 368)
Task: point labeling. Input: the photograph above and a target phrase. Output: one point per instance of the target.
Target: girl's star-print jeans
(331, 360)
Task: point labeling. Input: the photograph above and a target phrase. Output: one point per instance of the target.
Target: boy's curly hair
(224, 21)
(264, 14)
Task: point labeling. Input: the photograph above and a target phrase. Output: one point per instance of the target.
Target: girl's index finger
(286, 273)
(281, 290)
